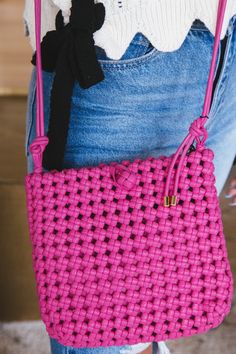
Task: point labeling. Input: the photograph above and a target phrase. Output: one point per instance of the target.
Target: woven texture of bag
(115, 265)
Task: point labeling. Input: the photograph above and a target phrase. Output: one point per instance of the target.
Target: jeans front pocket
(139, 50)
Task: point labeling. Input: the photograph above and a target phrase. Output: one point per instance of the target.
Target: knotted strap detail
(37, 148)
(198, 131)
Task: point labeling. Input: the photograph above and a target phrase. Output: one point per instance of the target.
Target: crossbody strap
(209, 89)
(39, 144)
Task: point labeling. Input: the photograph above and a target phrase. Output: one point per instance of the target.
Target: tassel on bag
(129, 252)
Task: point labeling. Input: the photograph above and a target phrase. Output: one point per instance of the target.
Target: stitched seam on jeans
(224, 75)
(221, 84)
(222, 98)
(129, 63)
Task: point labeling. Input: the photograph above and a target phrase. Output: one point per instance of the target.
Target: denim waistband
(141, 40)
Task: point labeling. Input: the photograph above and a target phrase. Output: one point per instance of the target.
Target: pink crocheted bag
(115, 265)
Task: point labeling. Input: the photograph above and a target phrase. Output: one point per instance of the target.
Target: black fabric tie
(70, 52)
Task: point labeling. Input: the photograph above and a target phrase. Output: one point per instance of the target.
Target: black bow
(70, 52)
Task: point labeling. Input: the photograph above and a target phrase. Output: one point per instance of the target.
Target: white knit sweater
(164, 22)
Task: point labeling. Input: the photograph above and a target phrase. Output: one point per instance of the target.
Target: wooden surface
(15, 50)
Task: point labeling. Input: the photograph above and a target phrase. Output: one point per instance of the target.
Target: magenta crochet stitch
(115, 265)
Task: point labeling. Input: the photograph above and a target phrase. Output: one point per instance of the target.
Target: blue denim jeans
(144, 107)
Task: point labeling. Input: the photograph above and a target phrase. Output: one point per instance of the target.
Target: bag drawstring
(197, 128)
(196, 131)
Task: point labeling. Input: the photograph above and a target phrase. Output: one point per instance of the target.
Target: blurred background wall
(14, 49)
(17, 295)
(20, 332)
